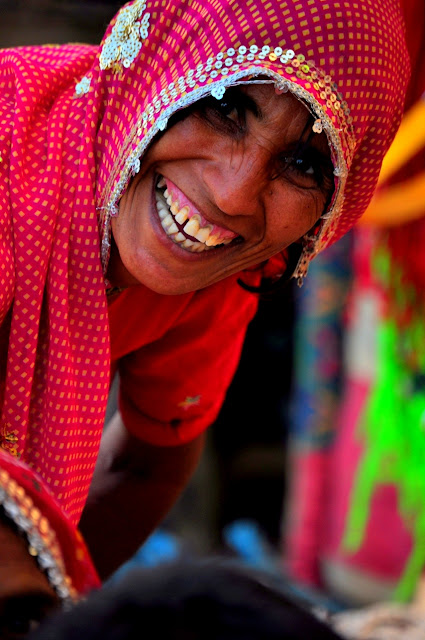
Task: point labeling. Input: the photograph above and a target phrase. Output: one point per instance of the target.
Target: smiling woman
(202, 146)
(236, 181)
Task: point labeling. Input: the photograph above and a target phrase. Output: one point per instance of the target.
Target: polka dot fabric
(52, 285)
(346, 60)
(75, 122)
(53, 541)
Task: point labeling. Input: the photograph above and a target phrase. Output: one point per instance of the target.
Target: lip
(176, 249)
(222, 232)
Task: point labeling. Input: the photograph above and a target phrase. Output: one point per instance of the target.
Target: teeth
(167, 221)
(212, 241)
(162, 211)
(203, 233)
(182, 215)
(192, 227)
(169, 227)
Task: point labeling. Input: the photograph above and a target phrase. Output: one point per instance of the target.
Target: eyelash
(307, 168)
(217, 113)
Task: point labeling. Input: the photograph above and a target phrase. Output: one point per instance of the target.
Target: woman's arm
(134, 486)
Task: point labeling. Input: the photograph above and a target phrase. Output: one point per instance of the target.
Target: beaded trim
(220, 72)
(132, 166)
(42, 541)
(126, 38)
(83, 86)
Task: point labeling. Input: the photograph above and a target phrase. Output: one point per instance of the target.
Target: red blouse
(176, 356)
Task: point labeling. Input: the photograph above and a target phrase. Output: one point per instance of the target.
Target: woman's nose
(237, 181)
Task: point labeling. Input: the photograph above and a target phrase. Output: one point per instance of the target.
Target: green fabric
(393, 431)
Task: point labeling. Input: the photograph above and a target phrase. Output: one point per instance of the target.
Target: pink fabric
(380, 555)
(51, 281)
(66, 155)
(307, 512)
(62, 540)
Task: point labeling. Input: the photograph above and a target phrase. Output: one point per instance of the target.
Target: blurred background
(314, 467)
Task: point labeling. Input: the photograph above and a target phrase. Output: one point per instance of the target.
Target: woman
(200, 140)
(44, 563)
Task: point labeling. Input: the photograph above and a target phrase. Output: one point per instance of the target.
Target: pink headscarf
(75, 122)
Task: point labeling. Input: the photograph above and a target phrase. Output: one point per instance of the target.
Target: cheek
(294, 213)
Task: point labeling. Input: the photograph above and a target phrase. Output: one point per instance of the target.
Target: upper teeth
(173, 213)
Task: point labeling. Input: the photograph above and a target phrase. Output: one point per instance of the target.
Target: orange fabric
(176, 356)
(401, 203)
(406, 185)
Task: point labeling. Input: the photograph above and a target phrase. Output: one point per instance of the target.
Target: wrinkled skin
(228, 162)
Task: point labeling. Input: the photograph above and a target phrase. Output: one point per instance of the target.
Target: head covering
(76, 121)
(53, 541)
(348, 65)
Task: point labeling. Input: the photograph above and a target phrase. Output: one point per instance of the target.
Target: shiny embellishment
(190, 401)
(317, 126)
(136, 166)
(8, 440)
(281, 87)
(125, 41)
(41, 538)
(218, 91)
(212, 77)
(162, 124)
(83, 86)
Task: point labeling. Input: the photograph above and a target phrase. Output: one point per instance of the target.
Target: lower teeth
(171, 229)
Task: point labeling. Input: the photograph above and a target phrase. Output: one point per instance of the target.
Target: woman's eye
(309, 170)
(226, 115)
(228, 109)
(304, 166)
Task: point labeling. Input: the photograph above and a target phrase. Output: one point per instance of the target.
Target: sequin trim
(42, 541)
(83, 86)
(216, 75)
(125, 41)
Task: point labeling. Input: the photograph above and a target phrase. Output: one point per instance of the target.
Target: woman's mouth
(184, 224)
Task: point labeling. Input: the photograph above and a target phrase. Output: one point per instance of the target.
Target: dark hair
(202, 108)
(188, 600)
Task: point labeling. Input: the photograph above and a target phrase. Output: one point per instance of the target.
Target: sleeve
(172, 389)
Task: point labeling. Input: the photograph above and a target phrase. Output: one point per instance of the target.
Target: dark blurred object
(249, 436)
(54, 21)
(212, 599)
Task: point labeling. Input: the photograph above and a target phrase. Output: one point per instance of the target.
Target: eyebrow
(248, 102)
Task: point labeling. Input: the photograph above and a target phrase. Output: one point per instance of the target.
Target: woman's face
(226, 187)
